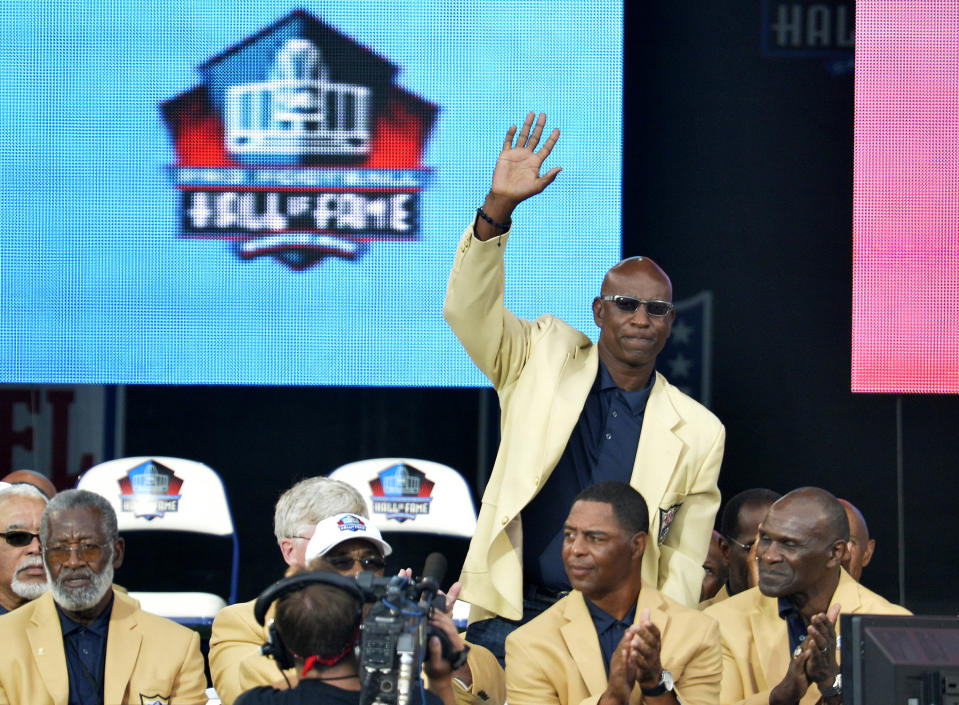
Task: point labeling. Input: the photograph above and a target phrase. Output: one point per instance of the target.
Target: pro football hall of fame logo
(298, 144)
(401, 492)
(150, 490)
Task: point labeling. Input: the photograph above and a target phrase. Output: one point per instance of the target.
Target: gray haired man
(22, 577)
(236, 664)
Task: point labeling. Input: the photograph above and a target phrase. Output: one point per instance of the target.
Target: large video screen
(208, 192)
(906, 211)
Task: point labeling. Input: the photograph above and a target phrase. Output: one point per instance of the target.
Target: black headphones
(275, 646)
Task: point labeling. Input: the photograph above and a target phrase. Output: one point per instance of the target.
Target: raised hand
(516, 176)
(822, 665)
(622, 671)
(794, 684)
(517, 173)
(645, 649)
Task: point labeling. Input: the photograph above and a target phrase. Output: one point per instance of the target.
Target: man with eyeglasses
(574, 413)
(236, 664)
(347, 544)
(22, 577)
(83, 642)
(738, 526)
(331, 542)
(780, 642)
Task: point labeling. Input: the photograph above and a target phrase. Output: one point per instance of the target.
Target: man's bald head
(860, 548)
(32, 477)
(832, 523)
(634, 267)
(801, 544)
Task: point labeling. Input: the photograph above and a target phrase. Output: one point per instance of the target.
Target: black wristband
(459, 658)
(501, 226)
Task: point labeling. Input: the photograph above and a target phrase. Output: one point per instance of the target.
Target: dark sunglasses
(19, 539)
(629, 304)
(344, 563)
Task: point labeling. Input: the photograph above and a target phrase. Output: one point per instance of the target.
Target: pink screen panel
(905, 327)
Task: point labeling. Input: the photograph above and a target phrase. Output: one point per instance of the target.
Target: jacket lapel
(583, 644)
(566, 404)
(772, 641)
(123, 647)
(846, 594)
(651, 598)
(659, 448)
(46, 647)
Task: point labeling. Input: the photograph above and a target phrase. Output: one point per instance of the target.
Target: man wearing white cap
(347, 544)
(236, 663)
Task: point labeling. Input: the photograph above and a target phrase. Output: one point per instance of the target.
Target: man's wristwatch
(665, 685)
(833, 690)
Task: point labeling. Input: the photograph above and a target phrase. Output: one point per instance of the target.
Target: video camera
(396, 631)
(394, 634)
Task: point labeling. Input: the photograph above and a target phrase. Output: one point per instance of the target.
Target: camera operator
(348, 544)
(319, 627)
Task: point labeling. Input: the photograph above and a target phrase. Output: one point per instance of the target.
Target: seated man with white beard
(83, 642)
(21, 569)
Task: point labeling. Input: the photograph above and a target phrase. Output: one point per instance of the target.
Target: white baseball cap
(338, 528)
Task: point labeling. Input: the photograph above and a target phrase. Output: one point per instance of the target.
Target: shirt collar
(604, 620)
(636, 401)
(100, 626)
(787, 608)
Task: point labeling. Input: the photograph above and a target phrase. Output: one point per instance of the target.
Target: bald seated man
(32, 477)
(780, 638)
(574, 413)
(860, 549)
(738, 526)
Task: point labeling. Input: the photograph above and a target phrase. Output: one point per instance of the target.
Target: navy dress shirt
(794, 623)
(609, 629)
(601, 447)
(86, 651)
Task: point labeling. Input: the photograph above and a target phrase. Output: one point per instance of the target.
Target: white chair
(413, 496)
(157, 493)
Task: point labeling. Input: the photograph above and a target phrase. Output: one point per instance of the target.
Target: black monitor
(899, 660)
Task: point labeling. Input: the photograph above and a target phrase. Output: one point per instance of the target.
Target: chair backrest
(412, 495)
(160, 493)
(409, 495)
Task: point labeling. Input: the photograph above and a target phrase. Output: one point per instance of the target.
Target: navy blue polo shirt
(86, 650)
(609, 629)
(795, 625)
(601, 447)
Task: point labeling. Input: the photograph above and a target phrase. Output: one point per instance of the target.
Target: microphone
(435, 568)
